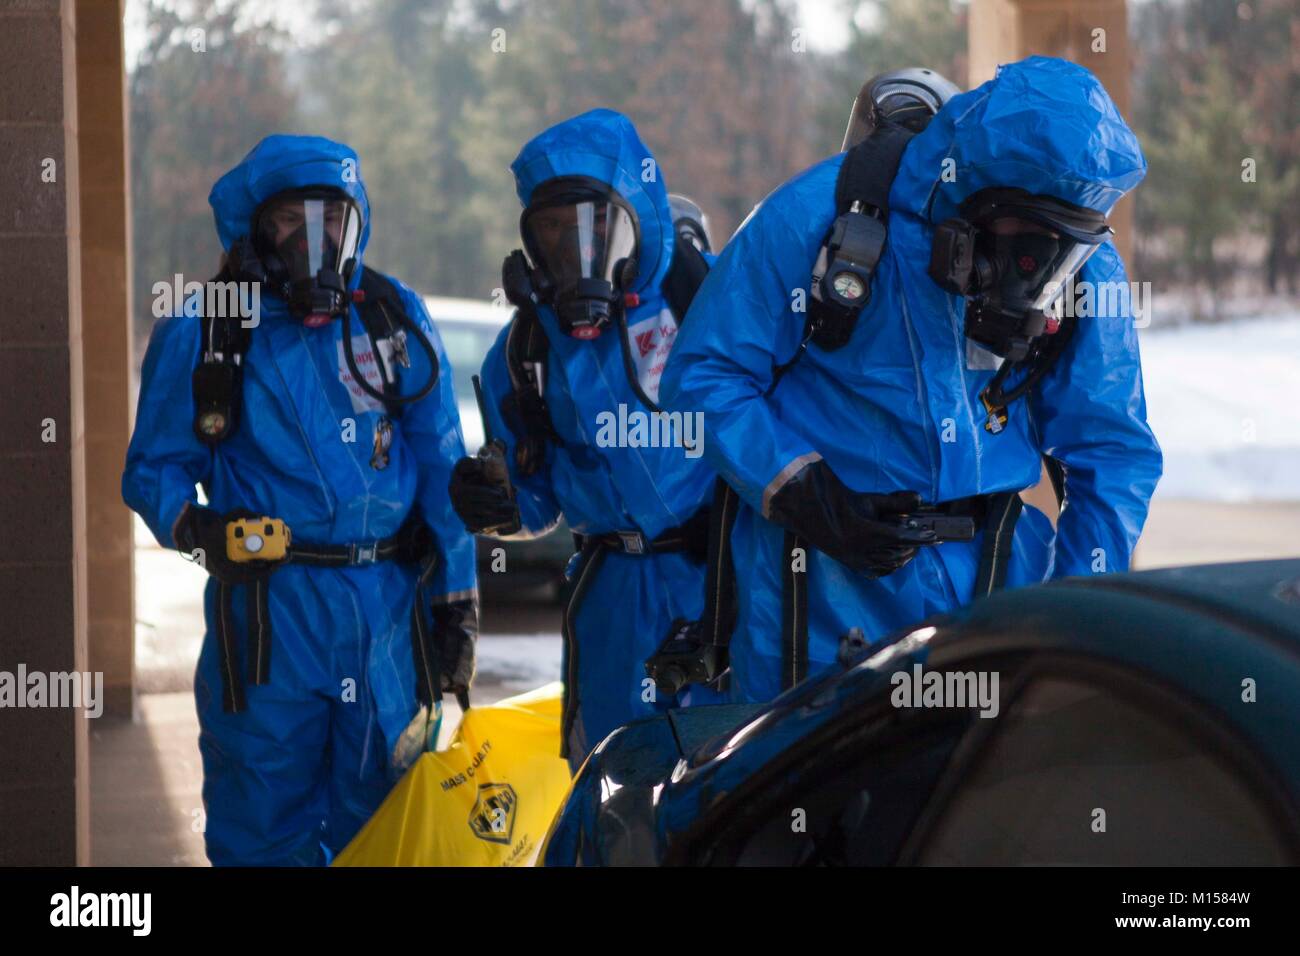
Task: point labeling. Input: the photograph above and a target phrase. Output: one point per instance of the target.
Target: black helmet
(909, 97)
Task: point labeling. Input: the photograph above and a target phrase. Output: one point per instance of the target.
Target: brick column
(44, 767)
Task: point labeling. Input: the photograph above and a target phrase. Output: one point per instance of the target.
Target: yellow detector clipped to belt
(257, 539)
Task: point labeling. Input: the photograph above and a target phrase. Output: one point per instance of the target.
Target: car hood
(609, 817)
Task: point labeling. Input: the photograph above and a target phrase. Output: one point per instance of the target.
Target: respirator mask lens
(1027, 262)
(308, 233)
(572, 241)
(582, 241)
(307, 241)
(1011, 255)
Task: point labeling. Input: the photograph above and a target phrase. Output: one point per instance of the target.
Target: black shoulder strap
(687, 272)
(527, 351)
(527, 342)
(720, 601)
(865, 178)
(869, 168)
(224, 335)
(217, 379)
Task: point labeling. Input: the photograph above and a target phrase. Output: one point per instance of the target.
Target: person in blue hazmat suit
(570, 396)
(321, 424)
(878, 474)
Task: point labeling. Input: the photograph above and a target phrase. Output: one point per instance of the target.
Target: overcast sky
(823, 22)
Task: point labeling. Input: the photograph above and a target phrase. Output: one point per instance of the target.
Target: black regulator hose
(387, 399)
(1039, 364)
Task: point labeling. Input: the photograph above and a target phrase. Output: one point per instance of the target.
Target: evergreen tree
(203, 91)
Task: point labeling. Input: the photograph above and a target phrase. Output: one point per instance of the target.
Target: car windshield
(467, 343)
(467, 339)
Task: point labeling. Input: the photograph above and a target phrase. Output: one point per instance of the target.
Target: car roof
(1263, 593)
(1221, 607)
(444, 309)
(1199, 631)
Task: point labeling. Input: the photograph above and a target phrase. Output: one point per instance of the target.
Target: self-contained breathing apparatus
(527, 285)
(302, 250)
(1013, 284)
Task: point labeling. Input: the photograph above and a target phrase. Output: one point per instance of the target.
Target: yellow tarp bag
(487, 800)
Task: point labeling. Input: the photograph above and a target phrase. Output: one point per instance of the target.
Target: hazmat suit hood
(1042, 124)
(280, 162)
(604, 145)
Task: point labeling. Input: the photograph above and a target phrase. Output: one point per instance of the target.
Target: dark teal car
(1140, 719)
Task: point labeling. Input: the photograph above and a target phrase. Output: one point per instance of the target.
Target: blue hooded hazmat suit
(897, 408)
(309, 760)
(623, 604)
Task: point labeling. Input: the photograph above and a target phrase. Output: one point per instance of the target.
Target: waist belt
(976, 506)
(344, 555)
(996, 515)
(692, 536)
(412, 543)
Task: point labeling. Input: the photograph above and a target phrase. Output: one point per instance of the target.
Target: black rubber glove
(455, 634)
(481, 498)
(854, 528)
(203, 530)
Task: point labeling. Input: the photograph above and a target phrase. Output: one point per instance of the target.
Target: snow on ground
(1224, 402)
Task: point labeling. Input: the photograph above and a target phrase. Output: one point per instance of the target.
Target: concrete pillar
(106, 358)
(1001, 31)
(44, 766)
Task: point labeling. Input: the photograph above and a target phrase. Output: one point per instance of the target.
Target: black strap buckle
(995, 415)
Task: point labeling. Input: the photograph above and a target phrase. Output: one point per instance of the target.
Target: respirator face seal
(582, 240)
(306, 241)
(1010, 254)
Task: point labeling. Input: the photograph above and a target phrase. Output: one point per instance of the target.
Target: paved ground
(1203, 532)
(145, 808)
(145, 775)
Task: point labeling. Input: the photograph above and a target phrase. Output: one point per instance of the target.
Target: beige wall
(106, 357)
